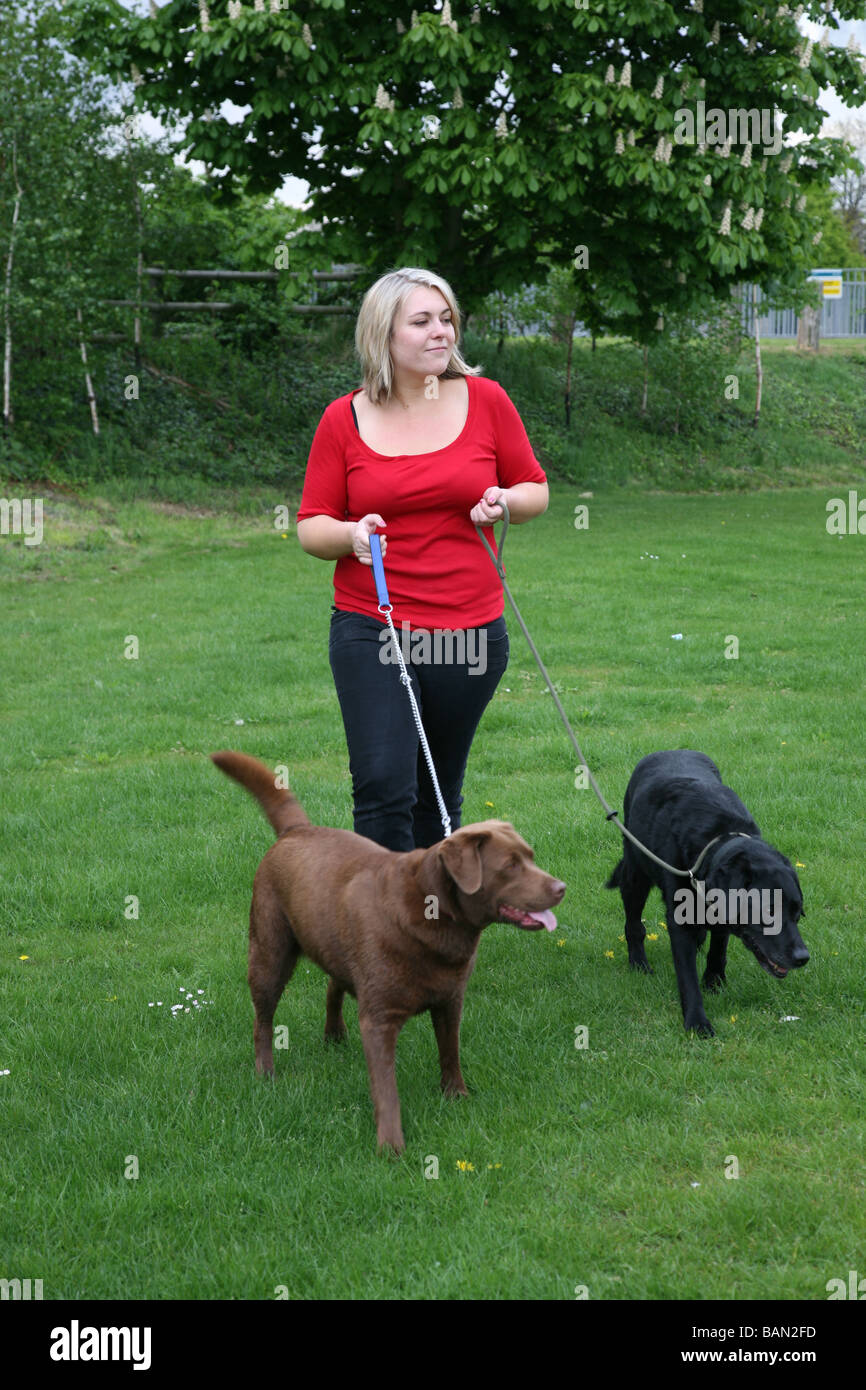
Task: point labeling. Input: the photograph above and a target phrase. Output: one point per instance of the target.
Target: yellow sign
(832, 288)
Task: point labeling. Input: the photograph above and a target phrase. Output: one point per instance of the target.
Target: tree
(473, 140)
(61, 232)
(850, 186)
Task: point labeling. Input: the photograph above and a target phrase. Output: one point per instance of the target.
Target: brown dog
(400, 932)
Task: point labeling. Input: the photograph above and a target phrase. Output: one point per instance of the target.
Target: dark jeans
(395, 804)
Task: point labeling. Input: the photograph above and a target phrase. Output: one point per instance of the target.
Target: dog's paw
(642, 965)
(701, 1025)
(391, 1148)
(336, 1035)
(454, 1088)
(713, 982)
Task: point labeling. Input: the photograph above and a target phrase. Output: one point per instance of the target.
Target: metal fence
(839, 318)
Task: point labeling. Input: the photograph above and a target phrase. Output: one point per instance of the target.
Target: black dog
(677, 805)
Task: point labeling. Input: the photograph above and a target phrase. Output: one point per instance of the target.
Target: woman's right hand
(364, 529)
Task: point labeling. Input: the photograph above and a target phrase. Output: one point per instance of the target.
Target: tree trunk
(808, 329)
(759, 370)
(139, 270)
(645, 379)
(568, 362)
(91, 395)
(8, 413)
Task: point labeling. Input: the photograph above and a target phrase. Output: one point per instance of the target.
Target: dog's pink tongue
(546, 918)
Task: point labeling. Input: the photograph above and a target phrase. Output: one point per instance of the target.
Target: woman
(423, 450)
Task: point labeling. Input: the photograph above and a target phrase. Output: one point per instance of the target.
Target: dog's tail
(615, 880)
(281, 807)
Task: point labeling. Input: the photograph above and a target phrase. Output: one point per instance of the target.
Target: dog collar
(697, 864)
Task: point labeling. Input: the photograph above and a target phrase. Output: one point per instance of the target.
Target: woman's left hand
(485, 512)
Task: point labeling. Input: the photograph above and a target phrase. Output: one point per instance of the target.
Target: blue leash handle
(379, 571)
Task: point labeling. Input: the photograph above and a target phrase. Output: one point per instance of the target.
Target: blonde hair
(376, 316)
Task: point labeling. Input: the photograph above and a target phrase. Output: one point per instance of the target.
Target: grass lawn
(603, 1167)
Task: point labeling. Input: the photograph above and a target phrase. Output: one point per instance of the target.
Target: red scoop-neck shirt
(438, 573)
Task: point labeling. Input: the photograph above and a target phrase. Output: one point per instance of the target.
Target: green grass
(603, 1167)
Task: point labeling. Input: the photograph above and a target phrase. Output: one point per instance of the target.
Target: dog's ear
(461, 856)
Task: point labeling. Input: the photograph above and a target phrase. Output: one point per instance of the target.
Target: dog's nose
(558, 890)
(800, 955)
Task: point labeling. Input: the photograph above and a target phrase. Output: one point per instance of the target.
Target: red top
(438, 573)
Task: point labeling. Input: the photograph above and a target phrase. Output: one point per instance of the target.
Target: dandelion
(653, 935)
(609, 955)
(798, 865)
(465, 1166)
